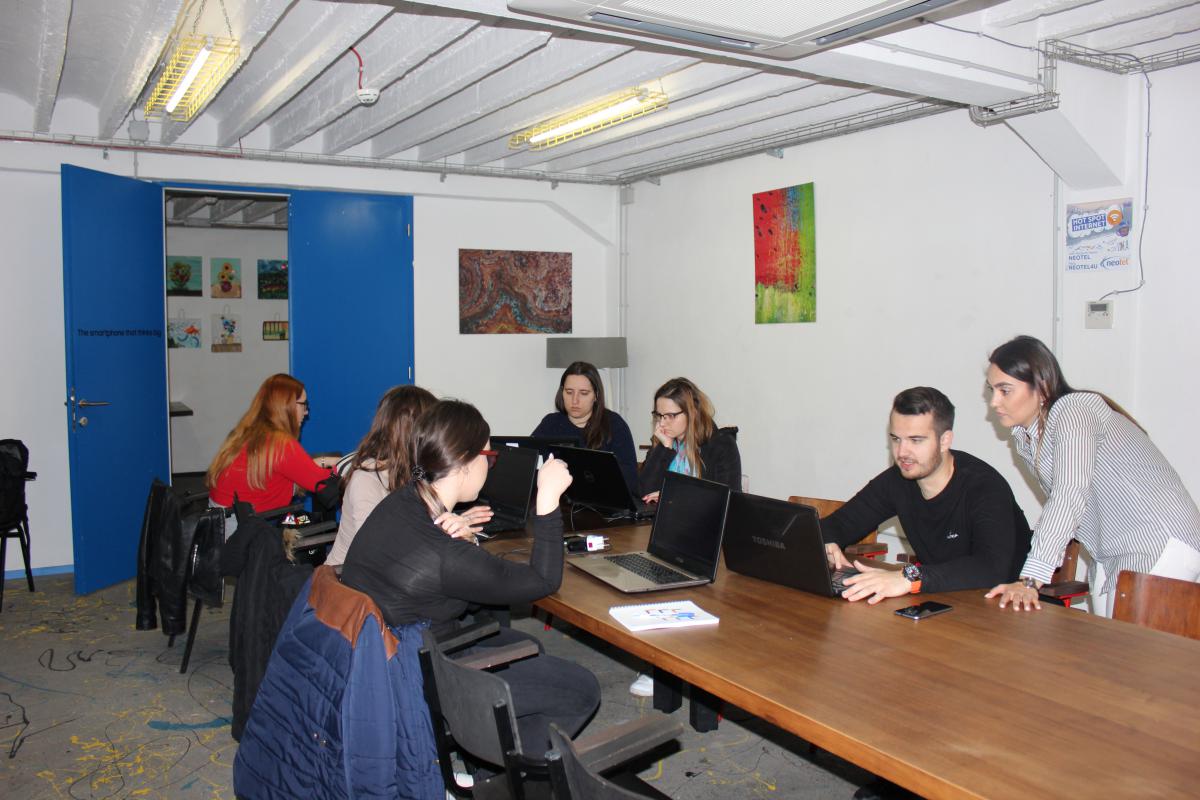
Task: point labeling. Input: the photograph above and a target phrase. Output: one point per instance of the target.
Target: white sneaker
(643, 686)
(465, 780)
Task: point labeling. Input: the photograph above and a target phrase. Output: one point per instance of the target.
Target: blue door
(114, 305)
(350, 261)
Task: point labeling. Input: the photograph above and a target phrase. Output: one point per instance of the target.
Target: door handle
(90, 403)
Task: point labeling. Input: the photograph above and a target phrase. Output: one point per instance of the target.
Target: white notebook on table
(649, 616)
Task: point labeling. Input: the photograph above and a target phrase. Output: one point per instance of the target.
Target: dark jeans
(545, 689)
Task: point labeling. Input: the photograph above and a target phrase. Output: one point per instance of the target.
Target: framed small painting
(183, 333)
(272, 279)
(275, 330)
(226, 277)
(185, 276)
(227, 333)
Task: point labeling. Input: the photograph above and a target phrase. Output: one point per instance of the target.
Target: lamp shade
(599, 351)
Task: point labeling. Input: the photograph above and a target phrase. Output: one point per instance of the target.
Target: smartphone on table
(922, 610)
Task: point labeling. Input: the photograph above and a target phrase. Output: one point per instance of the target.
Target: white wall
(504, 375)
(933, 244)
(218, 386)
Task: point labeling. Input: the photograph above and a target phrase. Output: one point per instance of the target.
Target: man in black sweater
(958, 513)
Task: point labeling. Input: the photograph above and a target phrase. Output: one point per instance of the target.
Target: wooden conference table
(977, 702)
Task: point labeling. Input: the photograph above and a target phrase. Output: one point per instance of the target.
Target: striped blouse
(1108, 486)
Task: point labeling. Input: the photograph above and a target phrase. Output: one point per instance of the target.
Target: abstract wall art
(183, 333)
(785, 255)
(514, 291)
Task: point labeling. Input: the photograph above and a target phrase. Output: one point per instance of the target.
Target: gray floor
(91, 708)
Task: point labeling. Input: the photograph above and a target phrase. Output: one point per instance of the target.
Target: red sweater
(294, 468)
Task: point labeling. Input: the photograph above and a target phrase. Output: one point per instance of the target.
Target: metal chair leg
(3, 561)
(191, 640)
(25, 552)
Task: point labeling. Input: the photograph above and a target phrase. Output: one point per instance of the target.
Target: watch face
(912, 572)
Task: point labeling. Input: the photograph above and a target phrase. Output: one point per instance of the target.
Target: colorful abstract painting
(226, 277)
(185, 276)
(785, 255)
(272, 279)
(514, 291)
(183, 333)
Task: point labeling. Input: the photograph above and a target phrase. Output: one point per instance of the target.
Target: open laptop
(598, 483)
(542, 444)
(780, 542)
(508, 489)
(685, 543)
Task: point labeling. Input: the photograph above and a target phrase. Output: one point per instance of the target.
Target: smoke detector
(367, 97)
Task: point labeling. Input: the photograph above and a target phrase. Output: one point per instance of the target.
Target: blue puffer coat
(340, 712)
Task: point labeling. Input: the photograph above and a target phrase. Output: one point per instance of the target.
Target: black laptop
(780, 542)
(685, 543)
(508, 489)
(542, 444)
(598, 483)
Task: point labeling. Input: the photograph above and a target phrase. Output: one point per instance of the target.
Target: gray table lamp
(599, 351)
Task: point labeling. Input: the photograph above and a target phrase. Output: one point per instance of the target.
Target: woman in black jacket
(687, 440)
(407, 560)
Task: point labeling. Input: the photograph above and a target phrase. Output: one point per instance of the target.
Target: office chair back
(571, 779)
(1164, 604)
(14, 463)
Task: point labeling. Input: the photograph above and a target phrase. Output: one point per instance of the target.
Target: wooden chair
(1164, 604)
(571, 778)
(1063, 586)
(472, 715)
(869, 547)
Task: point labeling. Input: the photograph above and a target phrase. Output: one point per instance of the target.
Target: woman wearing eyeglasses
(687, 440)
(582, 415)
(261, 461)
(416, 574)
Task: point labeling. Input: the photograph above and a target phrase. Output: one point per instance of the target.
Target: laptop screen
(689, 524)
(510, 479)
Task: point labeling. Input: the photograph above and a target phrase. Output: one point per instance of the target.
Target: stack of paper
(676, 614)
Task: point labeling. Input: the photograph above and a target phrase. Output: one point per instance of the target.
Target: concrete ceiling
(458, 78)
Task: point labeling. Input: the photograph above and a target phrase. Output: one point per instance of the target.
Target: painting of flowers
(184, 276)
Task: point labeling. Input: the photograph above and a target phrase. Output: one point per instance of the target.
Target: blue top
(620, 440)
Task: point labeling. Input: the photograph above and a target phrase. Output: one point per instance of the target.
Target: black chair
(573, 778)
(472, 715)
(14, 514)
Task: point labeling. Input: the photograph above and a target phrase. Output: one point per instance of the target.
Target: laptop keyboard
(650, 570)
(839, 579)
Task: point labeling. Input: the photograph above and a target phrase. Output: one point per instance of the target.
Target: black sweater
(972, 535)
(414, 571)
(721, 462)
(619, 443)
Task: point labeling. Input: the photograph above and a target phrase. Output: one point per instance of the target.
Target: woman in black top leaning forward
(687, 440)
(583, 416)
(404, 558)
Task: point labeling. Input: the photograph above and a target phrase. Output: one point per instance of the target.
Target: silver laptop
(685, 543)
(777, 541)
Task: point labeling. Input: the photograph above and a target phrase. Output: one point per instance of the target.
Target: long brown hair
(699, 410)
(447, 436)
(1029, 360)
(389, 441)
(263, 431)
(598, 429)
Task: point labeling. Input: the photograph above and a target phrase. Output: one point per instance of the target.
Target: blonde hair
(263, 431)
(699, 410)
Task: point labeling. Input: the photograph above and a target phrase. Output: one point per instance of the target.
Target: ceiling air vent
(762, 27)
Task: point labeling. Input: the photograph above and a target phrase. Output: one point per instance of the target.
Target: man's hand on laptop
(651, 498)
(837, 559)
(875, 584)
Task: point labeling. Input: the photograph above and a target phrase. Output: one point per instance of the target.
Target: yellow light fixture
(192, 75)
(613, 110)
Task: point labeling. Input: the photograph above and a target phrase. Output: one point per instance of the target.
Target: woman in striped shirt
(1107, 485)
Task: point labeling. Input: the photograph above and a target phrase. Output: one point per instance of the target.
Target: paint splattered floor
(91, 708)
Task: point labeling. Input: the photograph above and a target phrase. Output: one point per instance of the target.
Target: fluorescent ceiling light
(191, 76)
(627, 105)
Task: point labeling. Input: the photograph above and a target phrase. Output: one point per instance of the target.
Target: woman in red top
(261, 462)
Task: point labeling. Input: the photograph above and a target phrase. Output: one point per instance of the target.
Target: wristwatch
(912, 573)
(1028, 583)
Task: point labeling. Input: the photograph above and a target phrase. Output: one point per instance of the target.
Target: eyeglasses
(669, 416)
(491, 456)
(303, 403)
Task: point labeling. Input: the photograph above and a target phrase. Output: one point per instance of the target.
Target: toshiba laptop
(507, 490)
(598, 483)
(685, 543)
(780, 542)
